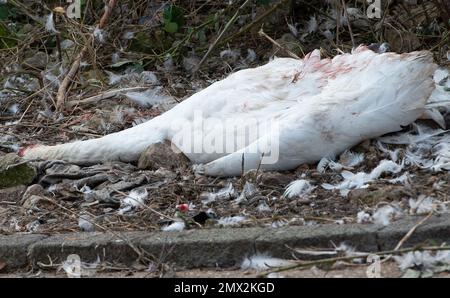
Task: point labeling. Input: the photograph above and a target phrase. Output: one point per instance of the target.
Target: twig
(101, 96)
(61, 95)
(344, 5)
(145, 206)
(413, 229)
(225, 29)
(254, 23)
(359, 256)
(292, 55)
(131, 245)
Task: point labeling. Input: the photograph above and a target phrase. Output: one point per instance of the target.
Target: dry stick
(344, 5)
(101, 96)
(29, 105)
(292, 55)
(145, 206)
(136, 250)
(225, 29)
(61, 95)
(25, 10)
(413, 229)
(359, 256)
(254, 23)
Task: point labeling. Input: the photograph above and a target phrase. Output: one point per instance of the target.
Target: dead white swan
(277, 116)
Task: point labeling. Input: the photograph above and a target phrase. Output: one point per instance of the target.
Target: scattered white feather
(441, 152)
(326, 163)
(149, 98)
(230, 55)
(99, 35)
(10, 142)
(175, 226)
(248, 192)
(363, 217)
(422, 205)
(85, 223)
(347, 161)
(427, 148)
(403, 179)
(190, 63)
(298, 188)
(128, 35)
(228, 192)
(361, 179)
(50, 24)
(148, 77)
(263, 207)
(33, 226)
(115, 57)
(312, 25)
(13, 109)
(75, 268)
(261, 262)
(114, 78)
(440, 75)
(351, 159)
(136, 199)
(168, 63)
(67, 44)
(231, 220)
(386, 214)
(279, 223)
(251, 56)
(51, 79)
(422, 259)
(293, 29)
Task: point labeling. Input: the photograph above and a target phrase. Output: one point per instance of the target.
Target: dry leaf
(2, 265)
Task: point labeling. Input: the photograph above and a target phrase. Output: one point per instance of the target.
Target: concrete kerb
(214, 247)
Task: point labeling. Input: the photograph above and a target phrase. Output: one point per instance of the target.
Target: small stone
(38, 61)
(32, 201)
(274, 179)
(162, 155)
(34, 189)
(12, 194)
(85, 223)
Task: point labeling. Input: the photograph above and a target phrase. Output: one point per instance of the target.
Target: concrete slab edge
(212, 247)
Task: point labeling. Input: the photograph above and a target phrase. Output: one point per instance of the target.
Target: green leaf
(6, 37)
(4, 12)
(201, 35)
(171, 27)
(173, 18)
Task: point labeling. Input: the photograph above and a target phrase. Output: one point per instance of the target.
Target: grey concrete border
(214, 247)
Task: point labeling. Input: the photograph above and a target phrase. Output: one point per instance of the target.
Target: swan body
(278, 116)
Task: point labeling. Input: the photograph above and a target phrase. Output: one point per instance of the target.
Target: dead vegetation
(63, 79)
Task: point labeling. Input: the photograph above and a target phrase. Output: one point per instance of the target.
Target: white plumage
(320, 107)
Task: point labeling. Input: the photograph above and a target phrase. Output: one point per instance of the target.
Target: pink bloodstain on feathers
(22, 150)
